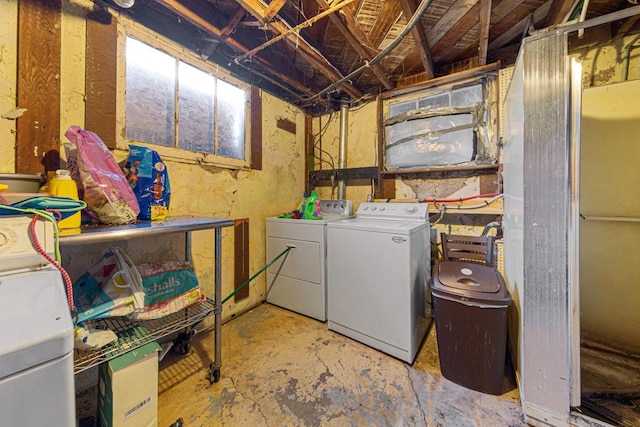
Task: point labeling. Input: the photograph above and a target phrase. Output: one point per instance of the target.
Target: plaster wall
(603, 63)
(196, 190)
(362, 149)
(8, 78)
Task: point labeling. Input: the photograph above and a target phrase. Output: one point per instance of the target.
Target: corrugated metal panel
(547, 201)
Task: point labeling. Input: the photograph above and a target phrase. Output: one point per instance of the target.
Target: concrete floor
(284, 369)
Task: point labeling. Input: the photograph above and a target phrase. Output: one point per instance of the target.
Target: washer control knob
(382, 209)
(412, 210)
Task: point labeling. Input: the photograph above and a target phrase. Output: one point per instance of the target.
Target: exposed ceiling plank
(295, 29)
(273, 9)
(449, 19)
(197, 17)
(308, 52)
(445, 50)
(420, 38)
(485, 18)
(348, 26)
(388, 16)
(516, 30)
(557, 11)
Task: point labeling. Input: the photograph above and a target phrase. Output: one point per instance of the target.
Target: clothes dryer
(297, 281)
(379, 265)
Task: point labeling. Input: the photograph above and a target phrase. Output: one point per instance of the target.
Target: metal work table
(132, 334)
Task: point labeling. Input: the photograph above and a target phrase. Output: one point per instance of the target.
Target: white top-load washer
(36, 344)
(297, 280)
(379, 265)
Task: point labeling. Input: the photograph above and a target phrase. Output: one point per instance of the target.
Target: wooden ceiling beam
(348, 26)
(557, 11)
(233, 22)
(485, 21)
(388, 16)
(308, 52)
(455, 13)
(626, 27)
(420, 38)
(516, 30)
(273, 9)
(295, 29)
(197, 17)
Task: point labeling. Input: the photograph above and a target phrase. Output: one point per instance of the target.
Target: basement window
(442, 126)
(184, 107)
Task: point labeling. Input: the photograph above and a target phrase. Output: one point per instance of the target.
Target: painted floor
(283, 369)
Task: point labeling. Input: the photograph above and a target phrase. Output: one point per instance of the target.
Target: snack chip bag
(147, 175)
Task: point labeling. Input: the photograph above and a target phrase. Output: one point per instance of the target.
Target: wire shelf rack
(135, 333)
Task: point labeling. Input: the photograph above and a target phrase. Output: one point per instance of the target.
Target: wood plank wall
(38, 86)
(101, 79)
(241, 257)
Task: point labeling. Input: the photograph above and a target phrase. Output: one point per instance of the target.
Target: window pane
(435, 101)
(150, 98)
(401, 108)
(231, 110)
(196, 103)
(466, 96)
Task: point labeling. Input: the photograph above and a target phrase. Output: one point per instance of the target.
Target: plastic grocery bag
(101, 183)
(168, 288)
(148, 177)
(111, 287)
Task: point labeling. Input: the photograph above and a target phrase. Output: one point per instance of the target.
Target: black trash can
(470, 303)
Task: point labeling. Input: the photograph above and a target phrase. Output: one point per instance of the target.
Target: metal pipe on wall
(342, 153)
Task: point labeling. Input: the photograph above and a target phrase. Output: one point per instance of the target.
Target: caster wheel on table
(214, 374)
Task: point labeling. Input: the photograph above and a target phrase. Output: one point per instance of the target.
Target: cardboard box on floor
(128, 389)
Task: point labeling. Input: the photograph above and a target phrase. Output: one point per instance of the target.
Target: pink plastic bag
(100, 180)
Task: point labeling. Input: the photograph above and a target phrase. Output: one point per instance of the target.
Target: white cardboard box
(128, 389)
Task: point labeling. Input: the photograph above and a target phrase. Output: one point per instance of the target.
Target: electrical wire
(40, 249)
(461, 199)
(467, 207)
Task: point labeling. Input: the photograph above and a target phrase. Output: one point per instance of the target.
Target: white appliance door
(368, 281)
(40, 396)
(296, 280)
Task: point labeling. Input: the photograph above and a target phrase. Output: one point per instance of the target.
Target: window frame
(487, 143)
(157, 41)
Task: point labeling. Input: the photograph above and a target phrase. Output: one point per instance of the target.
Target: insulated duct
(342, 147)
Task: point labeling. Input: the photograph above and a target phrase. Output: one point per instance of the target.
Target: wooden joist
(305, 50)
(348, 26)
(420, 38)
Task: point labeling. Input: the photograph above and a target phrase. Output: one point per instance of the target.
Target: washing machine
(379, 265)
(36, 348)
(298, 280)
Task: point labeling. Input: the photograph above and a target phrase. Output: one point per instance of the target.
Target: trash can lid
(469, 281)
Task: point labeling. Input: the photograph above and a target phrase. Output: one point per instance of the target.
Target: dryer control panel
(418, 212)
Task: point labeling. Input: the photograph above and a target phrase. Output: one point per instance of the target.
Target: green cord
(256, 275)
